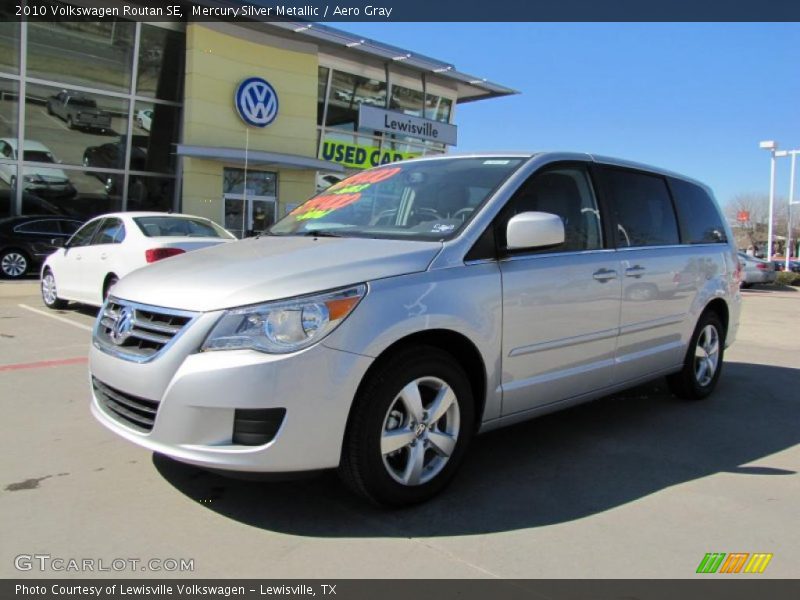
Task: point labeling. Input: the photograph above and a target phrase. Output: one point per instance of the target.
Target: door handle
(103, 256)
(604, 275)
(635, 271)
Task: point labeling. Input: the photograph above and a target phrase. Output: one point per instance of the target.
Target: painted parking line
(56, 317)
(45, 363)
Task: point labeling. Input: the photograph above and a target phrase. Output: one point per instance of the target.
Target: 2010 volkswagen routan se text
(380, 325)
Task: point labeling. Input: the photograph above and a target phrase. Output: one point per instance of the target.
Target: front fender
(466, 299)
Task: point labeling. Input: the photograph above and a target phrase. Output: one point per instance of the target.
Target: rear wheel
(14, 263)
(703, 363)
(409, 429)
(50, 292)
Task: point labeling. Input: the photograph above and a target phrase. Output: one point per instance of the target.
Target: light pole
(794, 154)
(772, 146)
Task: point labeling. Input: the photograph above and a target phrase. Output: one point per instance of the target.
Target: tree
(753, 232)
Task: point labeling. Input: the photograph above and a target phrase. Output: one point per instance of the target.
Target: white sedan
(110, 246)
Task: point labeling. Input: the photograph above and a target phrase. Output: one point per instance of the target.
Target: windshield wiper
(322, 233)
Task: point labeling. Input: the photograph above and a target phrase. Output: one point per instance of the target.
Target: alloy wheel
(49, 292)
(420, 431)
(14, 264)
(706, 355)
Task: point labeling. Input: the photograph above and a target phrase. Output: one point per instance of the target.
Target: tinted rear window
(643, 209)
(699, 219)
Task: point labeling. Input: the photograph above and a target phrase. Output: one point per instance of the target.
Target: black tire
(51, 301)
(111, 280)
(687, 383)
(14, 263)
(365, 469)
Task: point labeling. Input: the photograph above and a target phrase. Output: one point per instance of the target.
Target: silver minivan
(384, 322)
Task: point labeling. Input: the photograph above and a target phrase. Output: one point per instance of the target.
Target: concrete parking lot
(635, 485)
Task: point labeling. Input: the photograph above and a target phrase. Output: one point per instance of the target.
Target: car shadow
(561, 467)
(81, 309)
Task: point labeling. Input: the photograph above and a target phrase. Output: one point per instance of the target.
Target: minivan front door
(560, 305)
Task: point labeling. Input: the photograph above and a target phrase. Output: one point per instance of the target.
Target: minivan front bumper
(195, 405)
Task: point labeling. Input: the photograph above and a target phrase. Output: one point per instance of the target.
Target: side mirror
(57, 242)
(534, 230)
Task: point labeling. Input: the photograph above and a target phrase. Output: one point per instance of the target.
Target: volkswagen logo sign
(256, 102)
(123, 323)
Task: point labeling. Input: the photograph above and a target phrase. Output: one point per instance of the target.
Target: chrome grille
(137, 413)
(137, 332)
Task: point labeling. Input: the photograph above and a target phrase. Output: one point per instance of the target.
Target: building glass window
(9, 102)
(75, 142)
(438, 108)
(89, 53)
(259, 183)
(150, 193)
(155, 132)
(71, 123)
(161, 57)
(347, 92)
(322, 84)
(407, 101)
(9, 40)
(8, 197)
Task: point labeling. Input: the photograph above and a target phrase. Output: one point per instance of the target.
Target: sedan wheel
(409, 427)
(50, 292)
(13, 264)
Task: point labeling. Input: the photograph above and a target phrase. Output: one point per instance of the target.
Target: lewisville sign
(391, 121)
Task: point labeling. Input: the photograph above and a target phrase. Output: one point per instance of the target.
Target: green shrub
(788, 278)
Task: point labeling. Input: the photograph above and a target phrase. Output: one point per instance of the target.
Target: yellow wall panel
(215, 64)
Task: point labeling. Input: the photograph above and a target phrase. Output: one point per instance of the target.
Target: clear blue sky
(693, 97)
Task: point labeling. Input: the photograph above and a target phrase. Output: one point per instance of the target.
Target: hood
(270, 268)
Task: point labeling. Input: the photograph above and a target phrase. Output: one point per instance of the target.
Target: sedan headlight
(286, 325)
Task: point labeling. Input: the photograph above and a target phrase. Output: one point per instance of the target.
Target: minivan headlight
(286, 325)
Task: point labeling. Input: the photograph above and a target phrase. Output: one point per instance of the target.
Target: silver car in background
(380, 325)
(756, 270)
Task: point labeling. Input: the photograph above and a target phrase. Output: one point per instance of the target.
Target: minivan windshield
(425, 200)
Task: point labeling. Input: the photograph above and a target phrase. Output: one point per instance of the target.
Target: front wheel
(703, 363)
(50, 292)
(409, 429)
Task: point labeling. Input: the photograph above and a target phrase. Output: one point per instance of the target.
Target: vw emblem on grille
(123, 324)
(256, 102)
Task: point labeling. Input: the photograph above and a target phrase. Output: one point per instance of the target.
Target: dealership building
(237, 122)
